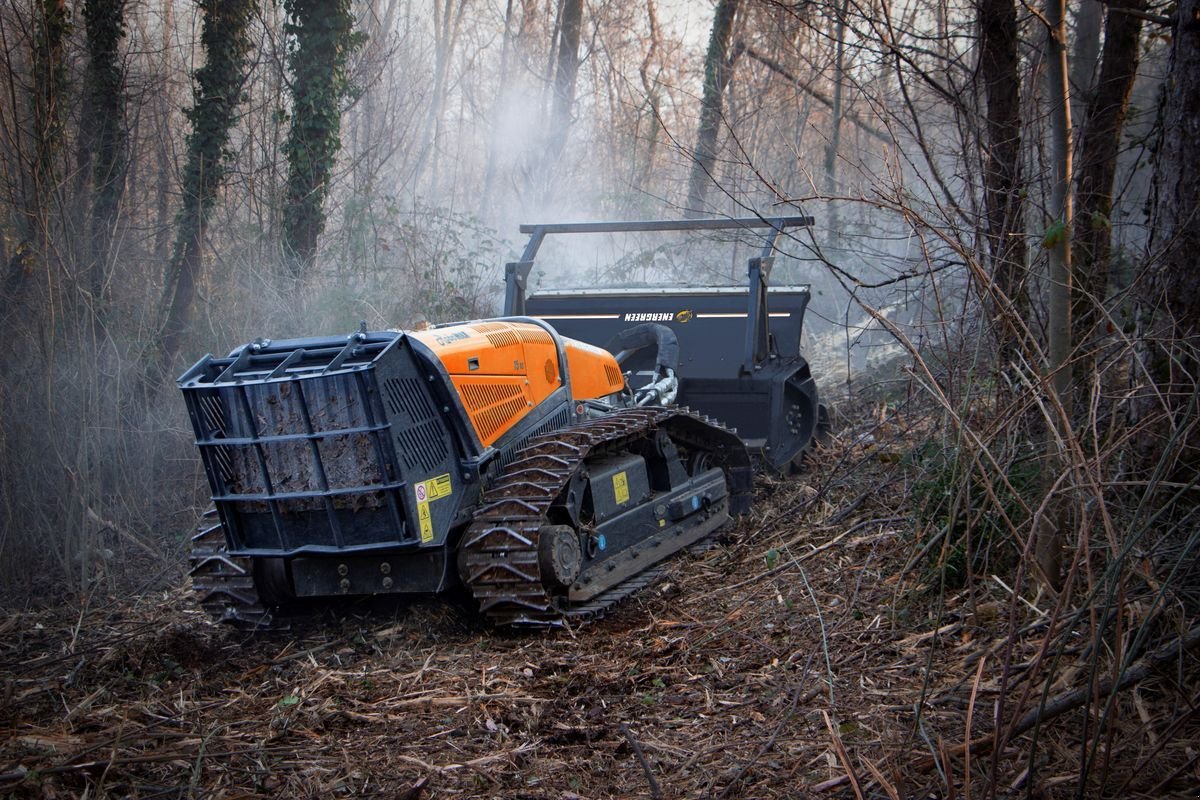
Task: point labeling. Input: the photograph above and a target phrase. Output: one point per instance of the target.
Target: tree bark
(835, 123)
(1177, 217)
(999, 64)
(566, 71)
(1089, 20)
(718, 68)
(1175, 347)
(1099, 143)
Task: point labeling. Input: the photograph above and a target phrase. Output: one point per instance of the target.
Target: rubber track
(499, 551)
(224, 584)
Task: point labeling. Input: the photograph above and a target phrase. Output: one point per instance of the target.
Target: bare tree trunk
(1099, 142)
(835, 113)
(493, 155)
(718, 68)
(1089, 20)
(999, 64)
(566, 70)
(447, 21)
(642, 171)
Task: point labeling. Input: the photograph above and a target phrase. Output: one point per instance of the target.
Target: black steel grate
(422, 446)
(404, 396)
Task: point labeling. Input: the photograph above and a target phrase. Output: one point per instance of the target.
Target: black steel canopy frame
(758, 272)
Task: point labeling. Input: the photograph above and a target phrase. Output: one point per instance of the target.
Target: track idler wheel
(560, 558)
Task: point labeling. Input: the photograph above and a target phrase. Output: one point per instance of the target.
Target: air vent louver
(404, 396)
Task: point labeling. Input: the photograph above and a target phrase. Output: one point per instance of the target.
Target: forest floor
(795, 658)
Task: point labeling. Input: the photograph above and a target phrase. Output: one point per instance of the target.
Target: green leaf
(772, 557)
(289, 701)
(1055, 234)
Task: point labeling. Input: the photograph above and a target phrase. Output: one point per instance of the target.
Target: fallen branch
(1067, 701)
(1136, 673)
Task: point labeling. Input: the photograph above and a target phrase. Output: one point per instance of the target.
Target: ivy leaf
(1054, 235)
(772, 557)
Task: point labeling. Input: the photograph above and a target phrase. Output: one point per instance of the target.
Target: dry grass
(788, 661)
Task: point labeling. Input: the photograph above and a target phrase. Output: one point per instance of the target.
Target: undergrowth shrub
(967, 511)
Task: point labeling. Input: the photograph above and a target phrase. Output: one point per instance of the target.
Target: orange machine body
(503, 370)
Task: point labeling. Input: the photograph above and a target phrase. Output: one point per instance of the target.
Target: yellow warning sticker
(440, 487)
(426, 523)
(433, 488)
(621, 488)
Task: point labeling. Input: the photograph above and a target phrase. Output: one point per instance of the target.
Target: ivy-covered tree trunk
(217, 93)
(317, 59)
(50, 78)
(717, 70)
(106, 132)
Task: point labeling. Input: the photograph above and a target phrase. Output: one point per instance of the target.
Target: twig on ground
(655, 791)
(737, 776)
(840, 749)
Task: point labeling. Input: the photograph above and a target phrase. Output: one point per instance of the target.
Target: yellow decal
(432, 489)
(621, 488)
(426, 523)
(440, 487)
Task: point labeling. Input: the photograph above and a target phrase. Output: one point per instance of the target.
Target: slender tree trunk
(1050, 536)
(643, 170)
(999, 64)
(1061, 204)
(1099, 143)
(718, 68)
(447, 20)
(833, 147)
(162, 149)
(566, 70)
(217, 93)
(493, 156)
(318, 65)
